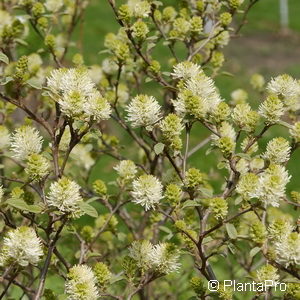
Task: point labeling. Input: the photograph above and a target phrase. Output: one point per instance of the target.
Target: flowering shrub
(67, 232)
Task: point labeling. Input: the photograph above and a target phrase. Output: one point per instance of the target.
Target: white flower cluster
(143, 111)
(64, 195)
(126, 169)
(75, 91)
(25, 141)
(199, 95)
(81, 284)
(138, 8)
(147, 191)
(161, 258)
(278, 151)
(271, 185)
(21, 246)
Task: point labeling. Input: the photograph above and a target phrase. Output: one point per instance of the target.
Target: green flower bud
(181, 27)
(121, 50)
(198, 286)
(21, 72)
(78, 59)
(17, 28)
(50, 41)
(225, 293)
(267, 272)
(219, 207)
(49, 295)
(173, 194)
(130, 268)
(37, 9)
(124, 13)
(193, 178)
(247, 184)
(140, 30)
(225, 19)
(99, 187)
(102, 274)
(196, 24)
(258, 232)
(217, 59)
(171, 127)
(200, 5)
(292, 292)
(43, 22)
(169, 14)
(194, 105)
(226, 146)
(87, 233)
(221, 113)
(235, 4)
(157, 15)
(295, 196)
(155, 66)
(37, 167)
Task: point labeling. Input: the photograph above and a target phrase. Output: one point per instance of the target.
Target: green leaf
(22, 205)
(92, 199)
(206, 192)
(254, 251)
(159, 148)
(148, 79)
(4, 58)
(88, 209)
(6, 80)
(238, 200)
(232, 233)
(191, 203)
(35, 84)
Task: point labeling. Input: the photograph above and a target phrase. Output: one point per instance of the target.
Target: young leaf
(159, 148)
(232, 233)
(4, 58)
(88, 209)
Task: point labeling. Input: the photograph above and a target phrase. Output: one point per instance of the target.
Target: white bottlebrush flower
(95, 73)
(279, 228)
(247, 184)
(126, 169)
(284, 86)
(147, 191)
(143, 111)
(141, 252)
(25, 141)
(81, 155)
(204, 87)
(81, 284)
(64, 195)
(75, 92)
(65, 81)
(278, 151)
(21, 246)
(287, 249)
(165, 257)
(109, 66)
(138, 8)
(97, 107)
(4, 137)
(272, 109)
(185, 70)
(271, 185)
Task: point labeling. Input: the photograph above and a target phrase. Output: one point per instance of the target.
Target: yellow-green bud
(37, 9)
(226, 146)
(102, 274)
(295, 196)
(169, 13)
(235, 3)
(173, 194)
(225, 19)
(196, 24)
(43, 22)
(50, 41)
(140, 30)
(155, 66)
(293, 291)
(193, 178)
(219, 207)
(225, 293)
(87, 233)
(124, 12)
(258, 232)
(221, 113)
(78, 59)
(198, 286)
(37, 167)
(99, 187)
(21, 73)
(217, 59)
(200, 5)
(295, 132)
